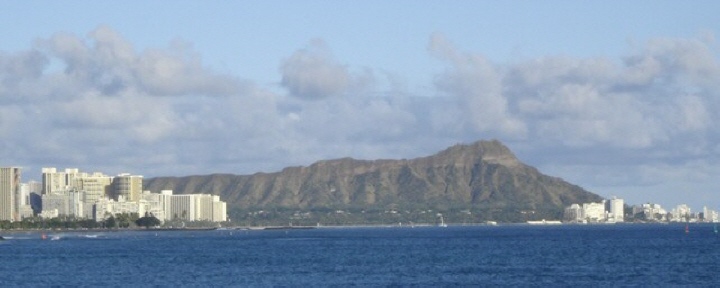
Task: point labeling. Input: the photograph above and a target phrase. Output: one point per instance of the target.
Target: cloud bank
(97, 103)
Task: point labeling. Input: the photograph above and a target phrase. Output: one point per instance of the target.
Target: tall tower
(9, 189)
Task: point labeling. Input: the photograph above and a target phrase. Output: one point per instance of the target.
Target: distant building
(573, 214)
(681, 213)
(54, 181)
(710, 216)
(9, 193)
(616, 210)
(594, 212)
(128, 187)
(92, 187)
(601, 212)
(219, 210)
(66, 203)
(166, 207)
(197, 207)
(98, 196)
(23, 201)
(651, 212)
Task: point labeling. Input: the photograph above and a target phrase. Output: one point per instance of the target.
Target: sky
(618, 98)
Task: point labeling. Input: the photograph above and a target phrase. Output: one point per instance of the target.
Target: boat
(715, 229)
(544, 222)
(687, 228)
(442, 222)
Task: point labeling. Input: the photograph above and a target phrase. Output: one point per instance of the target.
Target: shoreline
(358, 226)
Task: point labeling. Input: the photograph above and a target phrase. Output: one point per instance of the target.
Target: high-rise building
(23, 207)
(219, 210)
(573, 214)
(54, 181)
(94, 187)
(681, 213)
(91, 187)
(594, 212)
(616, 210)
(9, 190)
(182, 207)
(66, 203)
(127, 186)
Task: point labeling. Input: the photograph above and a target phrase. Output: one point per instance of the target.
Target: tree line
(116, 221)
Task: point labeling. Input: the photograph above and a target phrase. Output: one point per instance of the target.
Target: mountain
(484, 176)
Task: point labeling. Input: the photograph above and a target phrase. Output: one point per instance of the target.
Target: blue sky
(619, 97)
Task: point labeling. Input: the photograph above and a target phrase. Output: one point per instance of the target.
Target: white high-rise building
(219, 210)
(616, 212)
(9, 193)
(594, 212)
(710, 215)
(182, 207)
(92, 187)
(681, 213)
(196, 207)
(652, 211)
(151, 204)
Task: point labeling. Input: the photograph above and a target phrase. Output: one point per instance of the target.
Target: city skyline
(618, 99)
(96, 196)
(59, 180)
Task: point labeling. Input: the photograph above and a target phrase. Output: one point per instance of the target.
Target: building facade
(616, 210)
(128, 187)
(9, 193)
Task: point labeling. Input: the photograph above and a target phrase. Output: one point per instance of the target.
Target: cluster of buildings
(614, 211)
(71, 193)
(681, 213)
(607, 211)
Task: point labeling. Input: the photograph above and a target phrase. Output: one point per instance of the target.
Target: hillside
(483, 176)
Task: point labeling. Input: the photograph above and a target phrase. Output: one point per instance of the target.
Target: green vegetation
(70, 222)
(54, 223)
(148, 221)
(282, 216)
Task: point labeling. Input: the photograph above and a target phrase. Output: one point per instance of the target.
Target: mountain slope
(483, 174)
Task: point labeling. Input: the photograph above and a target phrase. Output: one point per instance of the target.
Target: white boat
(442, 222)
(544, 222)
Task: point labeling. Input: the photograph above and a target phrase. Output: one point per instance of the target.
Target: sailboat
(687, 229)
(715, 229)
(442, 222)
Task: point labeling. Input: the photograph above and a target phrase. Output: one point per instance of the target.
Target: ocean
(505, 255)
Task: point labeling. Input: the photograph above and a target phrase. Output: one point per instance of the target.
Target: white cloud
(477, 85)
(312, 73)
(97, 102)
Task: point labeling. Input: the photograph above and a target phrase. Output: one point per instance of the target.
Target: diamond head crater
(466, 183)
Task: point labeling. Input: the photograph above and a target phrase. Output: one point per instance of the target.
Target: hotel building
(9, 193)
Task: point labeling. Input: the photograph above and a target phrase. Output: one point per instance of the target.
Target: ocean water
(512, 255)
